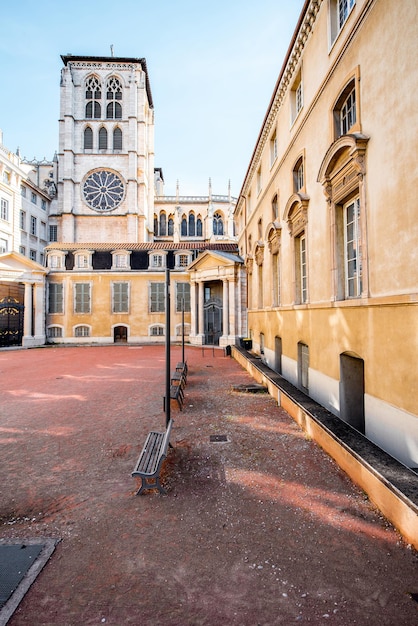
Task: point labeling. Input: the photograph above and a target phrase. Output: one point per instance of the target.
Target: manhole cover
(218, 438)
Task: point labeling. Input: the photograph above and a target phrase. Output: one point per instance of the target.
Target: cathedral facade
(116, 233)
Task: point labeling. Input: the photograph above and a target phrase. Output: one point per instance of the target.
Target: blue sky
(212, 68)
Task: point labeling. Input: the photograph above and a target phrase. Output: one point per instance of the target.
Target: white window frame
(33, 225)
(273, 148)
(352, 249)
(4, 211)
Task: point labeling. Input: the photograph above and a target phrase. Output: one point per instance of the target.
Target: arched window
(113, 96)
(88, 138)
(199, 229)
(345, 110)
(192, 225)
(93, 97)
(298, 176)
(103, 139)
(163, 224)
(218, 224)
(275, 208)
(170, 226)
(155, 225)
(117, 139)
(184, 227)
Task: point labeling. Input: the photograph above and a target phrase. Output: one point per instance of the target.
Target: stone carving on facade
(249, 262)
(274, 239)
(259, 253)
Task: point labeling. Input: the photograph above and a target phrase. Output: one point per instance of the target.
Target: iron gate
(11, 321)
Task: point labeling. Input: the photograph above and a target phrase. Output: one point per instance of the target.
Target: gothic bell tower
(106, 151)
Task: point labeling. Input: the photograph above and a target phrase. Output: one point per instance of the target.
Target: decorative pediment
(296, 213)
(343, 166)
(274, 235)
(259, 253)
(249, 262)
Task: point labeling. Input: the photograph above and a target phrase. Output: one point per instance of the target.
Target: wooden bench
(178, 378)
(176, 393)
(150, 460)
(182, 368)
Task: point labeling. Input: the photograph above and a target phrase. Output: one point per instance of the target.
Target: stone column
(27, 321)
(232, 312)
(39, 314)
(193, 310)
(223, 341)
(201, 323)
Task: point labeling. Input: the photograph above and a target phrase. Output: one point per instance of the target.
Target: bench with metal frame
(149, 463)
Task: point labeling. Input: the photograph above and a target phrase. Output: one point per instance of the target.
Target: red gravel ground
(263, 529)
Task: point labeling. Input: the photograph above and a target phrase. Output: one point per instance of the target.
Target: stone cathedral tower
(106, 151)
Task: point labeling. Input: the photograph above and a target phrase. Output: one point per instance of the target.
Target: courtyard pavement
(261, 529)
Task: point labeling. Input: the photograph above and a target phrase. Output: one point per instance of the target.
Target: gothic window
(155, 225)
(93, 97)
(163, 224)
(103, 139)
(113, 96)
(192, 225)
(184, 227)
(218, 224)
(117, 139)
(199, 228)
(170, 230)
(88, 138)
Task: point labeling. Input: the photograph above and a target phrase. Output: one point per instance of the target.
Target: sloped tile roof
(145, 246)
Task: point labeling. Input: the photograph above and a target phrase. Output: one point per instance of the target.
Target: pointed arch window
(113, 98)
(93, 96)
(199, 227)
(192, 225)
(88, 138)
(117, 139)
(103, 139)
(170, 224)
(184, 227)
(218, 224)
(163, 224)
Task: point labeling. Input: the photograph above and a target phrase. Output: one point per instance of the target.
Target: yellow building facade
(327, 218)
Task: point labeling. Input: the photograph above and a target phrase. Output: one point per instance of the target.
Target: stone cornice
(291, 64)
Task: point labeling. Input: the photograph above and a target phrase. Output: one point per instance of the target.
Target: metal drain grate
(14, 563)
(20, 563)
(218, 438)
